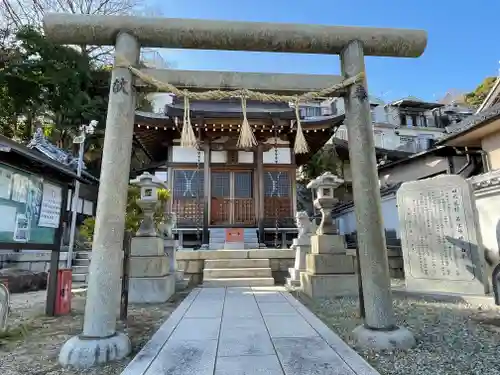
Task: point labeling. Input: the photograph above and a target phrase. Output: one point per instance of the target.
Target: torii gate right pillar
(379, 331)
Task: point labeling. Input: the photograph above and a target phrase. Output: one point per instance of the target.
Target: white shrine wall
(190, 155)
(284, 156)
(218, 156)
(186, 155)
(245, 157)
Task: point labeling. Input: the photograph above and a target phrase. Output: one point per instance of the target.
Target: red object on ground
(63, 298)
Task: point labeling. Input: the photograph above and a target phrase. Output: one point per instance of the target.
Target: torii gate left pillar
(99, 341)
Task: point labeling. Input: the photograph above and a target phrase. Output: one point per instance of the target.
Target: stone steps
(237, 263)
(79, 278)
(81, 262)
(218, 273)
(239, 281)
(80, 270)
(80, 267)
(218, 238)
(237, 272)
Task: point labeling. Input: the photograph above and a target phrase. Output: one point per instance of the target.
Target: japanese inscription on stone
(439, 235)
(120, 85)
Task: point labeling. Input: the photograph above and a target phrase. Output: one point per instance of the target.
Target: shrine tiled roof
(385, 190)
(231, 108)
(480, 119)
(18, 154)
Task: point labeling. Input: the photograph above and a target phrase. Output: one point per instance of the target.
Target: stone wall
(192, 262)
(30, 260)
(396, 264)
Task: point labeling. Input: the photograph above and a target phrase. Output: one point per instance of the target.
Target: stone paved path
(245, 331)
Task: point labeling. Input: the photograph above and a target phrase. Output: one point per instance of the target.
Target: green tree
(325, 160)
(476, 97)
(57, 86)
(133, 216)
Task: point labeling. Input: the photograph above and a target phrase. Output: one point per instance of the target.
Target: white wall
(347, 220)
(186, 155)
(284, 156)
(218, 156)
(379, 114)
(488, 210)
(245, 157)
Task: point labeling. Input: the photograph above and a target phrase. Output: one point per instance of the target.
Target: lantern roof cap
(326, 179)
(147, 179)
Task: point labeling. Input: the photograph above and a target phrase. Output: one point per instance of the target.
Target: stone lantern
(324, 187)
(148, 202)
(330, 271)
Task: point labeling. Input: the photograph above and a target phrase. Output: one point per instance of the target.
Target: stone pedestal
(330, 272)
(302, 248)
(152, 272)
(171, 246)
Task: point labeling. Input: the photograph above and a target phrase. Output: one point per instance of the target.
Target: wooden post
(207, 185)
(125, 276)
(293, 181)
(260, 192)
(52, 292)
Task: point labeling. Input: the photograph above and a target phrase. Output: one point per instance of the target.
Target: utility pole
(80, 140)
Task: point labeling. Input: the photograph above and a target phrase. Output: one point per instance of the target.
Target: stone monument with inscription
(152, 269)
(441, 243)
(302, 247)
(329, 270)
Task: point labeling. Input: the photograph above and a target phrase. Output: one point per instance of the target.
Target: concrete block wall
(192, 262)
(396, 264)
(30, 260)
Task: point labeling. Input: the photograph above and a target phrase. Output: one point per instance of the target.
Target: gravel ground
(452, 338)
(35, 351)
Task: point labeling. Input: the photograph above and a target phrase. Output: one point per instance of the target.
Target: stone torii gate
(100, 342)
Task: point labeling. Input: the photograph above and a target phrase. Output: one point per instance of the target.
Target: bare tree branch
(17, 13)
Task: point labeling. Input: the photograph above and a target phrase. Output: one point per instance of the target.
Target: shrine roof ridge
(232, 35)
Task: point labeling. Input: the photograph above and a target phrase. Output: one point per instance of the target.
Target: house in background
(482, 131)
(408, 124)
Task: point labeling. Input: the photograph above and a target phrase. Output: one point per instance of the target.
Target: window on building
(187, 184)
(311, 111)
(402, 120)
(333, 108)
(277, 184)
(220, 185)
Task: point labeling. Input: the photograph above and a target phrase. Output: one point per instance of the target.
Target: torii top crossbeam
(233, 36)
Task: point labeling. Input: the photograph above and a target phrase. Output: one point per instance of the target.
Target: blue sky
(463, 46)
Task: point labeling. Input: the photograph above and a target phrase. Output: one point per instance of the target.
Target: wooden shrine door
(232, 201)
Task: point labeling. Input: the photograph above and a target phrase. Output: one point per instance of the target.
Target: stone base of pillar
(328, 286)
(151, 289)
(400, 338)
(81, 352)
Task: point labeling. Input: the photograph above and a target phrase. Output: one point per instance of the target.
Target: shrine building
(218, 185)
